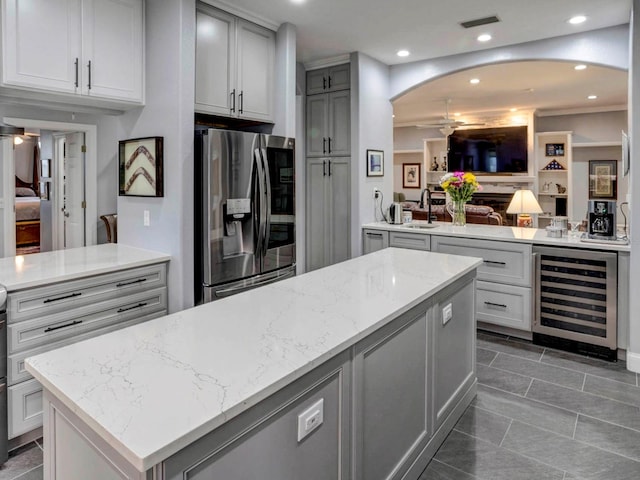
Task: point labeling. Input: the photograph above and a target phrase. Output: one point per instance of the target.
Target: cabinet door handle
(491, 262)
(329, 81)
(233, 101)
(241, 101)
(142, 304)
(329, 162)
(329, 144)
(371, 234)
(491, 304)
(324, 168)
(324, 82)
(324, 145)
(49, 300)
(76, 65)
(89, 67)
(70, 324)
(124, 284)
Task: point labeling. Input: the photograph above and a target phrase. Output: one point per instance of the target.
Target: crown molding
(242, 13)
(578, 111)
(327, 62)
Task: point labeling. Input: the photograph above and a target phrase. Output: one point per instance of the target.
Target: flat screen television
(488, 150)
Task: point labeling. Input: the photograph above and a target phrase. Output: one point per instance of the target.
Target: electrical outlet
(146, 220)
(310, 419)
(376, 193)
(447, 313)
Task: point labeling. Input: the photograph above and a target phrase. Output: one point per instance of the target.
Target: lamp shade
(524, 201)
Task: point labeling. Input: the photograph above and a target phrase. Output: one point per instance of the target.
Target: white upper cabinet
(234, 66)
(81, 47)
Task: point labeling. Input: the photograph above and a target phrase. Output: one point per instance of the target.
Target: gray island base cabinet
(388, 402)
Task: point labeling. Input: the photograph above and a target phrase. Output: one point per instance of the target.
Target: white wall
(169, 113)
(372, 116)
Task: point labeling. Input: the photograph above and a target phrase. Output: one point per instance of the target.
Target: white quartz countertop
(34, 270)
(153, 388)
(534, 236)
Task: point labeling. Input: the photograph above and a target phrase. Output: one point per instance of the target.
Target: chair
(111, 224)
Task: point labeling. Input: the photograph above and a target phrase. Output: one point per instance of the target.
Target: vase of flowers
(460, 187)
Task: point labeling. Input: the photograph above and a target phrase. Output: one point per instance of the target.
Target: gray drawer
(504, 262)
(415, 241)
(505, 305)
(62, 297)
(25, 407)
(16, 371)
(39, 331)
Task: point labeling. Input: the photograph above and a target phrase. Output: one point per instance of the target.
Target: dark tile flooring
(539, 414)
(544, 414)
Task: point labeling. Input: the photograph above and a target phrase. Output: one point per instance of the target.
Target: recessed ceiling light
(403, 53)
(298, 1)
(580, 67)
(474, 81)
(485, 37)
(457, 114)
(577, 19)
(513, 109)
(592, 97)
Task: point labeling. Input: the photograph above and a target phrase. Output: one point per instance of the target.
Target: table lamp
(523, 204)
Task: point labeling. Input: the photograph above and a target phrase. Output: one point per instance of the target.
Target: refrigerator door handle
(260, 202)
(206, 208)
(267, 181)
(258, 281)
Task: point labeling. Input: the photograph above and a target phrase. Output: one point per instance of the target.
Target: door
(233, 199)
(74, 193)
(317, 210)
(317, 125)
(280, 229)
(215, 61)
(339, 134)
(41, 43)
(339, 210)
(112, 49)
(7, 197)
(255, 60)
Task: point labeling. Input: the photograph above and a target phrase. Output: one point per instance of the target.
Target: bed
(27, 216)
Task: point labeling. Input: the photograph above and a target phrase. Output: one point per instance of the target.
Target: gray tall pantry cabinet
(328, 150)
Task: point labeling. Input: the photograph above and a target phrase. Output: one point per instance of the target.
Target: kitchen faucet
(428, 203)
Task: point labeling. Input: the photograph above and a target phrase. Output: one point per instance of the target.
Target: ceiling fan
(447, 125)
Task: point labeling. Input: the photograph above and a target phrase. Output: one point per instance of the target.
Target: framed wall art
(410, 175)
(375, 163)
(603, 179)
(554, 150)
(141, 171)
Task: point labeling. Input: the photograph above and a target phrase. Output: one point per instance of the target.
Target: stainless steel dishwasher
(576, 300)
(4, 432)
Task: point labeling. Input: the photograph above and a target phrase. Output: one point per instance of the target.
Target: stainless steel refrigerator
(244, 211)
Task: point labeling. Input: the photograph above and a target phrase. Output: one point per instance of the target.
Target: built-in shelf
(597, 144)
(410, 150)
(553, 194)
(553, 171)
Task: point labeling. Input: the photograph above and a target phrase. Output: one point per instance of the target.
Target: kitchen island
(358, 370)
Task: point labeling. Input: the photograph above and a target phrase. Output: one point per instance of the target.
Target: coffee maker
(602, 220)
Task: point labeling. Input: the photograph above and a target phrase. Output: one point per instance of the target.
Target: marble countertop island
(152, 389)
(38, 269)
(533, 236)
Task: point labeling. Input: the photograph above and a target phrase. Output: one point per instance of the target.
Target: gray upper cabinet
(329, 79)
(234, 66)
(329, 124)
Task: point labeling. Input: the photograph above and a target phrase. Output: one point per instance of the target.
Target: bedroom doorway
(78, 186)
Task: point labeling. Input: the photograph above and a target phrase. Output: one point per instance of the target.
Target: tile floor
(539, 414)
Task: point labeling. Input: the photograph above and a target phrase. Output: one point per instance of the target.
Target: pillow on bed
(25, 192)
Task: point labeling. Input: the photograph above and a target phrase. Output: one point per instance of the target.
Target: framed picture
(141, 167)
(45, 167)
(375, 163)
(410, 175)
(554, 150)
(603, 179)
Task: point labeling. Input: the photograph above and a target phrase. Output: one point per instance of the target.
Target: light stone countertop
(38, 269)
(151, 389)
(533, 236)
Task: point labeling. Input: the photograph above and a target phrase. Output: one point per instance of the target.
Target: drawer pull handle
(51, 329)
(49, 300)
(491, 262)
(124, 284)
(142, 304)
(491, 304)
(370, 234)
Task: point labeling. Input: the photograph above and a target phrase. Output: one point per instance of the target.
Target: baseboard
(633, 361)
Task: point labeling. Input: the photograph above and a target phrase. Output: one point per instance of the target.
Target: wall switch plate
(310, 419)
(146, 221)
(447, 313)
